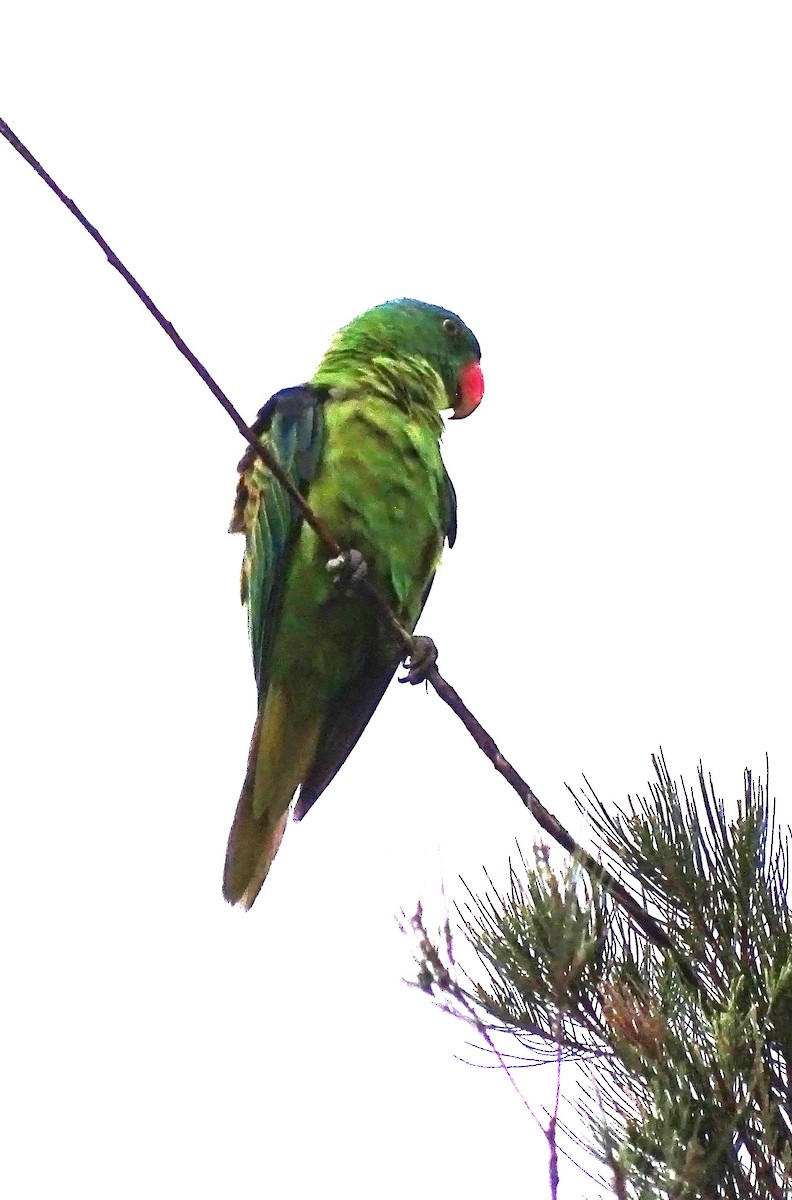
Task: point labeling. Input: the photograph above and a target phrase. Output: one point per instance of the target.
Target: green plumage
(362, 443)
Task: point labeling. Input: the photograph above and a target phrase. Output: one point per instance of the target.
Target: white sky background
(603, 192)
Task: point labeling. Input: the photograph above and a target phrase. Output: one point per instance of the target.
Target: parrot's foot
(420, 661)
(348, 570)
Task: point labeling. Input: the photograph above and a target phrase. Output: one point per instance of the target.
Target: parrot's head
(413, 329)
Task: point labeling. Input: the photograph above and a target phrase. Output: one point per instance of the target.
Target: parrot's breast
(380, 489)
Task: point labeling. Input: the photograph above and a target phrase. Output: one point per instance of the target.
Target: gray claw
(348, 570)
(420, 661)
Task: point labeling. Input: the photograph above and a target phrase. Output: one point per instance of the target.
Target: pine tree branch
(650, 928)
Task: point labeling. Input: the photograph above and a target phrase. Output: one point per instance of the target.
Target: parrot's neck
(411, 384)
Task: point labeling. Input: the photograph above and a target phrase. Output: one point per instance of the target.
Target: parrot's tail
(282, 750)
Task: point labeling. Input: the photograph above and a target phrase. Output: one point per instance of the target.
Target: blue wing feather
(451, 510)
(291, 424)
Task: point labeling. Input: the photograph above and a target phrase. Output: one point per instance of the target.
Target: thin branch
(267, 457)
(552, 826)
(446, 980)
(552, 1128)
(651, 929)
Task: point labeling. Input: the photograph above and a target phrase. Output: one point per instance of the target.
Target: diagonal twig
(645, 922)
(268, 458)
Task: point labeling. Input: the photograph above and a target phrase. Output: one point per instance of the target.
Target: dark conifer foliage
(686, 1089)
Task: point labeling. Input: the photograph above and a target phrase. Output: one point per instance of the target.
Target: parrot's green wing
(291, 424)
(361, 697)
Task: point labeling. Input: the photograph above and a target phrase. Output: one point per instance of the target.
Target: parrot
(361, 442)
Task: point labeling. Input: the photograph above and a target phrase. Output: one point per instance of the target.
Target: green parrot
(361, 442)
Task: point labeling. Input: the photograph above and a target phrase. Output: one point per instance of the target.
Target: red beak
(470, 389)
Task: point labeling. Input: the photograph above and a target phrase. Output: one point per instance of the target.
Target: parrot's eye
(450, 327)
